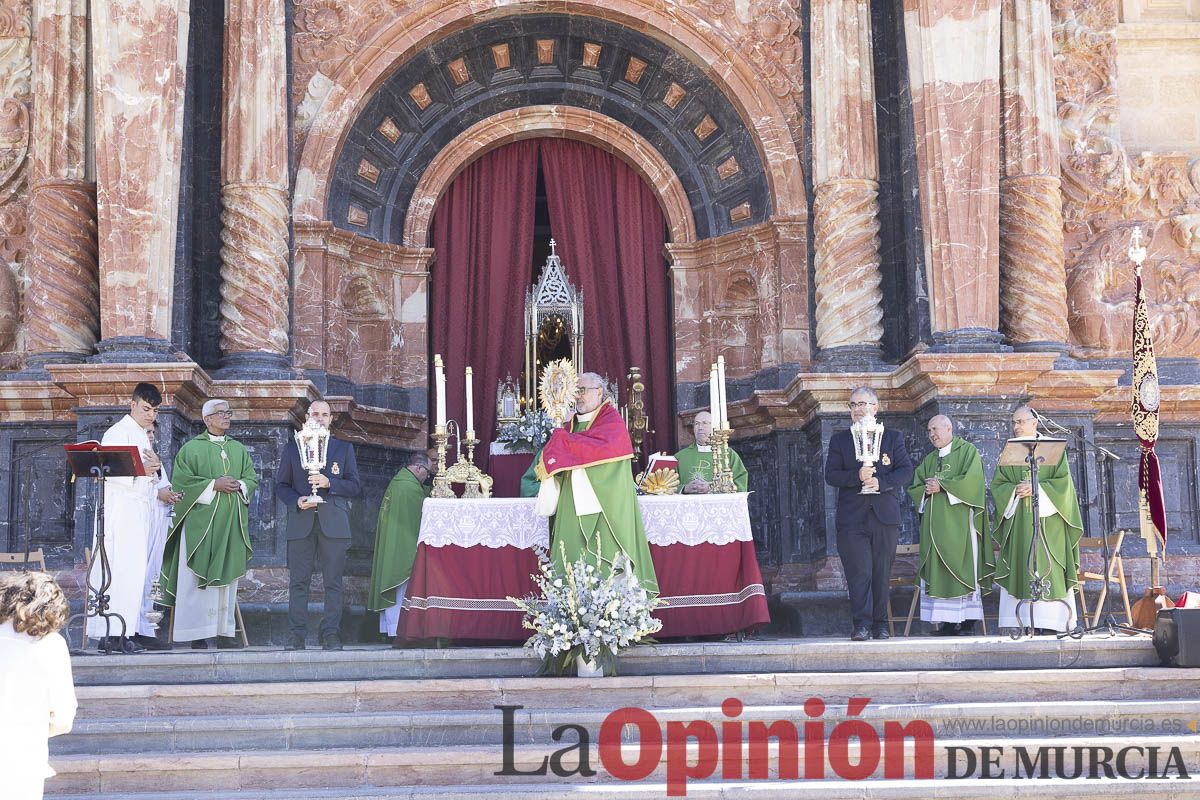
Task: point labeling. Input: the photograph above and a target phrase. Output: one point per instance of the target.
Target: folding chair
(1116, 575)
(903, 550)
(23, 560)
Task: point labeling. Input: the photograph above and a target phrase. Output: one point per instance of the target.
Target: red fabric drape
(610, 232)
(483, 239)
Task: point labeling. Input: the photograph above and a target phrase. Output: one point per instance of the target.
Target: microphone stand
(1110, 624)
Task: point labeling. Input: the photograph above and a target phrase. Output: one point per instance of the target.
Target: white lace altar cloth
(669, 519)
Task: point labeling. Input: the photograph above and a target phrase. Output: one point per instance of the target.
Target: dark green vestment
(396, 538)
(1058, 558)
(949, 563)
(693, 462)
(216, 536)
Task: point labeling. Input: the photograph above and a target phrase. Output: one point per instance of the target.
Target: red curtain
(483, 239)
(610, 233)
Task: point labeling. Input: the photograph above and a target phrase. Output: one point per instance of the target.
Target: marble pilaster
(849, 306)
(139, 65)
(1033, 278)
(254, 188)
(954, 69)
(62, 309)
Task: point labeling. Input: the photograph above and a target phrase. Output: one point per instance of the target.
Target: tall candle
(470, 407)
(714, 398)
(440, 387)
(721, 390)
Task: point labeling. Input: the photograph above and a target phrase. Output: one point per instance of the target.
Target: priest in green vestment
(587, 465)
(1061, 526)
(696, 460)
(396, 539)
(956, 564)
(208, 546)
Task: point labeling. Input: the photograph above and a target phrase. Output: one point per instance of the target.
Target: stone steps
(363, 730)
(982, 789)
(756, 657)
(447, 766)
(171, 700)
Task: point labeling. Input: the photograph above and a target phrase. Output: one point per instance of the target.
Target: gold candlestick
(722, 482)
(441, 479)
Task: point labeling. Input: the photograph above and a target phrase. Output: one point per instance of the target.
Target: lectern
(94, 460)
(1033, 452)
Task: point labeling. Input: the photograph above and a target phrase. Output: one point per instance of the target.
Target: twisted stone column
(1033, 280)
(846, 232)
(254, 216)
(62, 307)
(254, 275)
(846, 173)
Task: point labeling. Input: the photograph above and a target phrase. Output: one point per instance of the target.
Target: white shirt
(37, 700)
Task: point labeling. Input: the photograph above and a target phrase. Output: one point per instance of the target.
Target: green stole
(599, 538)
(693, 462)
(1058, 558)
(396, 538)
(947, 565)
(216, 535)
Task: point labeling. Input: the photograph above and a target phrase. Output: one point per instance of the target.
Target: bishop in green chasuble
(1061, 526)
(596, 514)
(396, 540)
(956, 562)
(208, 546)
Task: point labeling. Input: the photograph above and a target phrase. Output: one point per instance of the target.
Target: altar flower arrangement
(528, 433)
(584, 617)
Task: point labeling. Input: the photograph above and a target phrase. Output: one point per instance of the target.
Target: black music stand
(1034, 452)
(93, 460)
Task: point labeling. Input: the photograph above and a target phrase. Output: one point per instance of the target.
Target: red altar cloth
(460, 593)
(506, 471)
(708, 589)
(475, 554)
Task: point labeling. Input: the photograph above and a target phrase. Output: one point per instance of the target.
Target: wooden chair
(903, 550)
(22, 560)
(1116, 575)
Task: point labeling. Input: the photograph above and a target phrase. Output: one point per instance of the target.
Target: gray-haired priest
(207, 549)
(957, 564)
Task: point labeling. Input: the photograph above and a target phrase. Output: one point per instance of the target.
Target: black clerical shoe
(150, 643)
(861, 634)
(330, 641)
(949, 629)
(966, 627)
(200, 644)
(880, 632)
(229, 643)
(296, 642)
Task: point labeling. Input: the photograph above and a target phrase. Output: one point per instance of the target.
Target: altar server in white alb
(127, 518)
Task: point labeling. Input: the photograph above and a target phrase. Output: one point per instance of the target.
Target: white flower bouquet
(584, 613)
(528, 433)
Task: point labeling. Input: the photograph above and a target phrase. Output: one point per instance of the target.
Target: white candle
(440, 387)
(714, 398)
(470, 407)
(721, 389)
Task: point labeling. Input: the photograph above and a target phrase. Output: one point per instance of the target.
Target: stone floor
(373, 722)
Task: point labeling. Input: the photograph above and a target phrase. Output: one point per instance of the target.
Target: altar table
(474, 554)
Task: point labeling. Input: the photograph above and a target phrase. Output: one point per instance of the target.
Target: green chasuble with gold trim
(599, 446)
(529, 481)
(396, 538)
(216, 535)
(1058, 557)
(949, 562)
(695, 462)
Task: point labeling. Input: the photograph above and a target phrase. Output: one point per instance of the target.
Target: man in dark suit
(868, 525)
(317, 529)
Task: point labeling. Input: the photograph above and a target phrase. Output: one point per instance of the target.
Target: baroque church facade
(235, 198)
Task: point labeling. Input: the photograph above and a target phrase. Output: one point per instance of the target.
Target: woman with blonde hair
(37, 695)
